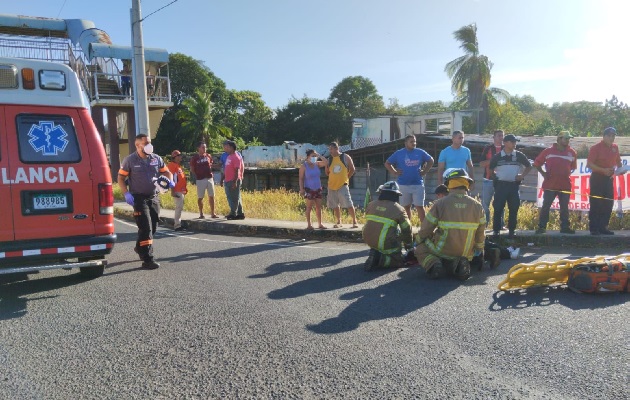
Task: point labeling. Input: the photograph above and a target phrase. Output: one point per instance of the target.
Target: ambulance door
(51, 174)
(6, 214)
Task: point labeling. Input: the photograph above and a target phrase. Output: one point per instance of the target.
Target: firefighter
(386, 229)
(453, 231)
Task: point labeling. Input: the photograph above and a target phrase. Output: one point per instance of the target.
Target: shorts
(412, 194)
(203, 186)
(310, 194)
(340, 197)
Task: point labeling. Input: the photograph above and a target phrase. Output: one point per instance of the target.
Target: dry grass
(280, 204)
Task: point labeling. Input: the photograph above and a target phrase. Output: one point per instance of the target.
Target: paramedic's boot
(372, 261)
(462, 270)
(150, 265)
(436, 270)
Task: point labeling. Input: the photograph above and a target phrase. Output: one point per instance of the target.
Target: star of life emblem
(47, 138)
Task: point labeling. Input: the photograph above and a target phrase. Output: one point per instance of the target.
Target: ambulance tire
(91, 272)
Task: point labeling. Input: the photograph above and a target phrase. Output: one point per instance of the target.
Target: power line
(159, 9)
(62, 6)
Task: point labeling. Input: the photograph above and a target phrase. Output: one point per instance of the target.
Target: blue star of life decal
(48, 138)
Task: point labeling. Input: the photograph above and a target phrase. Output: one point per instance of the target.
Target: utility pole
(141, 108)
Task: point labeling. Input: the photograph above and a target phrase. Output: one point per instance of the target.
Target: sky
(553, 50)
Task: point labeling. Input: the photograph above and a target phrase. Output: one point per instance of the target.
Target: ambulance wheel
(91, 272)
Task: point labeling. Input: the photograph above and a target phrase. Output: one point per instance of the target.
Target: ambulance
(56, 195)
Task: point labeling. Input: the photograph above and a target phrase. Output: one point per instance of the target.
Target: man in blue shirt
(455, 156)
(410, 165)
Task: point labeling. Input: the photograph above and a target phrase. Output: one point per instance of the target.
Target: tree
(196, 115)
(187, 75)
(470, 76)
(584, 118)
(308, 120)
(617, 114)
(427, 107)
(358, 96)
(246, 114)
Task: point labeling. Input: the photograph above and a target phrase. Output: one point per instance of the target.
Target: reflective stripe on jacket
(454, 227)
(380, 232)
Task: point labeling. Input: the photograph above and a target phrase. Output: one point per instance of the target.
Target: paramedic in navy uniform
(141, 169)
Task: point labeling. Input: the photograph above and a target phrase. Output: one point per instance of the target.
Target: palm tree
(470, 76)
(196, 114)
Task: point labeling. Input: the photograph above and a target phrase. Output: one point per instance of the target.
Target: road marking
(237, 242)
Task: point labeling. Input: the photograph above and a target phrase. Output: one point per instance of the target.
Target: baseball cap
(176, 153)
(230, 143)
(565, 134)
(610, 131)
(510, 138)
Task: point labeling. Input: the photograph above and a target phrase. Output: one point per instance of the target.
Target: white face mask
(148, 148)
(313, 160)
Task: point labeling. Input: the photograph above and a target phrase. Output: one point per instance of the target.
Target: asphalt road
(247, 317)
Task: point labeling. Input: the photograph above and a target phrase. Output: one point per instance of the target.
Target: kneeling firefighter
(453, 230)
(386, 229)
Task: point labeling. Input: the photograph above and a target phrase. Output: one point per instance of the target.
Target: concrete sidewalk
(297, 230)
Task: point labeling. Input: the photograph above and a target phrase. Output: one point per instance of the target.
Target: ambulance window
(45, 139)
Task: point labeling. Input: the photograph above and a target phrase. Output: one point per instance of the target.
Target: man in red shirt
(201, 166)
(234, 169)
(180, 190)
(559, 160)
(487, 191)
(602, 160)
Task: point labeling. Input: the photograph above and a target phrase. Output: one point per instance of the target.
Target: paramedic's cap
(565, 134)
(610, 131)
(176, 153)
(510, 138)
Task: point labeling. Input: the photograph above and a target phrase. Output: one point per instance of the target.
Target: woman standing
(311, 185)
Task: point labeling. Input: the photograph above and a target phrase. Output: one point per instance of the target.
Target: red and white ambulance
(56, 198)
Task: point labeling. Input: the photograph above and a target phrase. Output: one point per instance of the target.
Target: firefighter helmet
(391, 186)
(456, 173)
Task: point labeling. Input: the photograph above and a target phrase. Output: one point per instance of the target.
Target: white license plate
(50, 201)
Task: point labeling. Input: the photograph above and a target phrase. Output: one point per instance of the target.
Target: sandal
(355, 226)
(215, 216)
(322, 227)
(309, 228)
(337, 226)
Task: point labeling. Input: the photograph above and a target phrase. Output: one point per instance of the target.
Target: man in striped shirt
(510, 167)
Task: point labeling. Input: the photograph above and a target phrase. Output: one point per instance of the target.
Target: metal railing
(49, 49)
(93, 75)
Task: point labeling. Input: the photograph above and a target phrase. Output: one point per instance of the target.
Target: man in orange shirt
(602, 160)
(180, 190)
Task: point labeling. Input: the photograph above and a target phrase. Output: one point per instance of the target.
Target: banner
(580, 188)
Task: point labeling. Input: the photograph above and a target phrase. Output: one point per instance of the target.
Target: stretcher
(548, 273)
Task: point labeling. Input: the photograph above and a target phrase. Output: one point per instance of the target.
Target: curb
(242, 228)
(523, 239)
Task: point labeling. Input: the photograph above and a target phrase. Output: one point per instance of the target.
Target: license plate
(50, 201)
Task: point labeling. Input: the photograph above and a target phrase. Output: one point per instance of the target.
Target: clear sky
(554, 50)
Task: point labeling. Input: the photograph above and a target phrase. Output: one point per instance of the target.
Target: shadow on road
(295, 266)
(394, 299)
(15, 287)
(546, 296)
